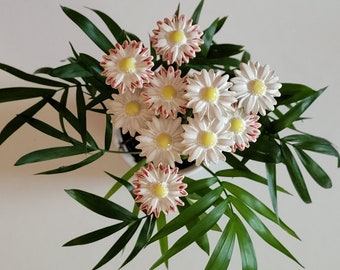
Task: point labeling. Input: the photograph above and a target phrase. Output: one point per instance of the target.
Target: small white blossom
(177, 40)
(159, 188)
(128, 66)
(256, 87)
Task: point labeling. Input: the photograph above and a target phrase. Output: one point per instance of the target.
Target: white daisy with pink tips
(209, 94)
(160, 141)
(159, 189)
(177, 40)
(244, 128)
(128, 112)
(256, 87)
(165, 93)
(205, 140)
(127, 66)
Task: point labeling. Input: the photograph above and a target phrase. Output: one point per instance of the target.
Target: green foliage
(214, 203)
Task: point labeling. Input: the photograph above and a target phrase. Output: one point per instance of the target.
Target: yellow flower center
(237, 125)
(207, 138)
(169, 92)
(209, 94)
(176, 37)
(127, 65)
(159, 190)
(132, 108)
(164, 141)
(257, 87)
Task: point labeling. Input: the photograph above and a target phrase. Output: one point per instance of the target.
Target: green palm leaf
(200, 228)
(101, 205)
(221, 256)
(89, 29)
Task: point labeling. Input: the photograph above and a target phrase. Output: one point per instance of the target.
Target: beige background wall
(299, 39)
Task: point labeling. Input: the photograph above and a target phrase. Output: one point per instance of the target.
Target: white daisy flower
(256, 87)
(159, 188)
(165, 94)
(128, 66)
(244, 128)
(129, 112)
(160, 142)
(177, 40)
(209, 95)
(205, 140)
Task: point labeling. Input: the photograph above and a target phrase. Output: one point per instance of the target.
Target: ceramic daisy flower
(209, 94)
(244, 128)
(128, 66)
(166, 92)
(205, 140)
(177, 40)
(159, 189)
(128, 112)
(160, 142)
(256, 87)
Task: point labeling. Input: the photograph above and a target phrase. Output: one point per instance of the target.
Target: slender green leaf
(142, 239)
(221, 256)
(89, 29)
(220, 24)
(313, 143)
(197, 12)
(49, 70)
(92, 65)
(202, 241)
(120, 244)
(271, 176)
(108, 132)
(177, 9)
(224, 50)
(101, 205)
(96, 235)
(295, 112)
(248, 256)
(125, 177)
(208, 38)
(260, 228)
(234, 162)
(247, 174)
(195, 185)
(189, 213)
(49, 154)
(314, 169)
(295, 174)
(257, 205)
(72, 70)
(119, 34)
(19, 93)
(19, 120)
(81, 113)
(73, 50)
(65, 113)
(63, 104)
(163, 242)
(266, 149)
(200, 228)
(245, 57)
(216, 63)
(291, 92)
(123, 182)
(50, 131)
(72, 167)
(32, 78)
(99, 99)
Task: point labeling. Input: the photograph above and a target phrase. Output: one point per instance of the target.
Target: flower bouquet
(183, 102)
